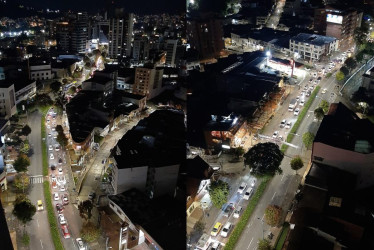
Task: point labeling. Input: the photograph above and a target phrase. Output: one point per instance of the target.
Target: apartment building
(148, 81)
(7, 99)
(312, 47)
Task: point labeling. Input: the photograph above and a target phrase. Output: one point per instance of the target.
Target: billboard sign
(334, 18)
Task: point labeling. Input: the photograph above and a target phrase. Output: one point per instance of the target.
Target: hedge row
(302, 114)
(240, 227)
(55, 231)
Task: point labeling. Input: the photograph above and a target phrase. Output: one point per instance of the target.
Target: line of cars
(246, 190)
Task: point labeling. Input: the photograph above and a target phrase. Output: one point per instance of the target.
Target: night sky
(136, 6)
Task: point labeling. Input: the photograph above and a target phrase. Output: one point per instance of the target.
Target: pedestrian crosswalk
(36, 179)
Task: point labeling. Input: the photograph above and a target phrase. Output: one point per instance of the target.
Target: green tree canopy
(325, 105)
(360, 56)
(264, 158)
(360, 95)
(199, 227)
(59, 129)
(350, 63)
(297, 163)
(21, 163)
(218, 191)
(21, 182)
(273, 214)
(26, 130)
(55, 86)
(239, 151)
(62, 140)
(25, 147)
(264, 244)
(23, 209)
(85, 209)
(361, 34)
(345, 70)
(90, 232)
(319, 113)
(308, 139)
(340, 76)
(72, 90)
(43, 100)
(64, 81)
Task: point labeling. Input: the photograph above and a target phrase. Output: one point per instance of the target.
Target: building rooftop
(196, 168)
(99, 79)
(5, 83)
(313, 39)
(342, 128)
(131, 95)
(163, 218)
(21, 83)
(158, 140)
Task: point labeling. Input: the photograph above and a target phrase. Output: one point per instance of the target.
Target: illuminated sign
(334, 19)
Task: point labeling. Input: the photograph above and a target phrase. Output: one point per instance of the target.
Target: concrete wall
(127, 178)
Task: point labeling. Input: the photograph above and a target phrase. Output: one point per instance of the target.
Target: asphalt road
(38, 228)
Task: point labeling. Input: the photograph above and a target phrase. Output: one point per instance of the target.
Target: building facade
(148, 81)
(7, 100)
(120, 36)
(41, 72)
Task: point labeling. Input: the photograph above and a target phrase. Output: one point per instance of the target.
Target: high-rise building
(148, 81)
(63, 36)
(171, 48)
(79, 33)
(140, 50)
(341, 24)
(120, 36)
(206, 36)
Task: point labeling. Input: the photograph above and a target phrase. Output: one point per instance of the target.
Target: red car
(65, 199)
(60, 208)
(65, 231)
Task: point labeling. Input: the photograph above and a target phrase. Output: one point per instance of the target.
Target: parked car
(283, 123)
(217, 227)
(53, 167)
(61, 179)
(65, 231)
(216, 246)
(55, 196)
(275, 134)
(253, 182)
(297, 111)
(280, 137)
(229, 209)
(308, 93)
(57, 147)
(226, 229)
(248, 193)
(50, 148)
(80, 244)
(51, 156)
(40, 205)
(59, 208)
(53, 177)
(324, 91)
(62, 188)
(92, 195)
(238, 211)
(60, 161)
(54, 184)
(61, 219)
(60, 171)
(242, 187)
(302, 102)
(289, 124)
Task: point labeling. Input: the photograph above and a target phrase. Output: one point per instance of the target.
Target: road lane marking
(250, 243)
(273, 195)
(41, 243)
(282, 177)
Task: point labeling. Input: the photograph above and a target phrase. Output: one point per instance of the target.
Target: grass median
(240, 226)
(282, 237)
(302, 114)
(55, 232)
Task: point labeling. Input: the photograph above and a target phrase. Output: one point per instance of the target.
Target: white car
(296, 112)
(226, 229)
(51, 156)
(302, 102)
(50, 148)
(60, 171)
(289, 124)
(61, 179)
(253, 182)
(61, 219)
(62, 188)
(248, 193)
(55, 197)
(49, 134)
(283, 123)
(237, 211)
(57, 147)
(53, 177)
(80, 244)
(324, 91)
(280, 138)
(242, 187)
(48, 126)
(275, 134)
(297, 98)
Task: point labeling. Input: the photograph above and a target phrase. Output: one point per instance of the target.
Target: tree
(360, 56)
(43, 100)
(23, 209)
(264, 244)
(350, 63)
(85, 209)
(64, 81)
(319, 113)
(297, 163)
(345, 70)
(218, 191)
(72, 90)
(26, 130)
(21, 182)
(340, 76)
(325, 105)
(308, 139)
(90, 232)
(239, 151)
(360, 34)
(360, 95)
(273, 214)
(25, 239)
(55, 86)
(21, 163)
(59, 129)
(25, 147)
(264, 158)
(62, 140)
(199, 227)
